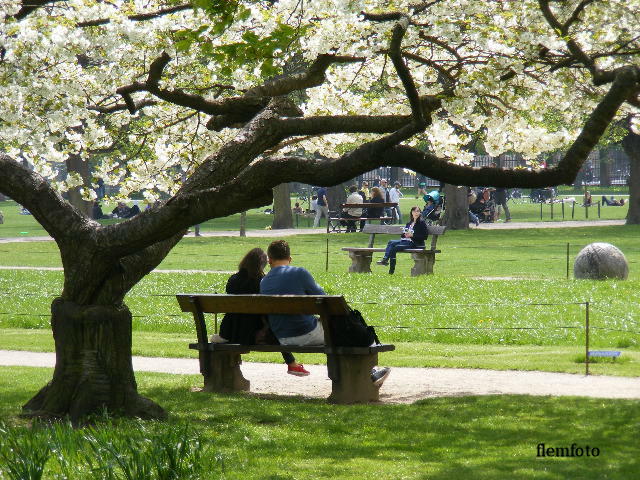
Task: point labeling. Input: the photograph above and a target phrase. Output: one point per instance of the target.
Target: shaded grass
(485, 437)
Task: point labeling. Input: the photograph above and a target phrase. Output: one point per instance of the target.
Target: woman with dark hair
(376, 197)
(243, 328)
(415, 232)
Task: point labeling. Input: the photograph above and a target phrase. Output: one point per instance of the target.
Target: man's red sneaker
(298, 370)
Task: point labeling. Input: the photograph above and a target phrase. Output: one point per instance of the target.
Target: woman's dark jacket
(375, 212)
(239, 327)
(420, 232)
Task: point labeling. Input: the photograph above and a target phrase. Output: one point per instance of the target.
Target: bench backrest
(434, 232)
(199, 304)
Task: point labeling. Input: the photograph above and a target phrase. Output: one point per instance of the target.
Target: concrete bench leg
(351, 378)
(422, 264)
(224, 374)
(360, 262)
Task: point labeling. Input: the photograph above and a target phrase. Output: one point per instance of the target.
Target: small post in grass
(598, 208)
(327, 257)
(586, 338)
(573, 209)
(541, 210)
(551, 208)
(563, 209)
(567, 260)
(586, 210)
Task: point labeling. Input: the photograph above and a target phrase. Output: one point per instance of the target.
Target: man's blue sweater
(288, 280)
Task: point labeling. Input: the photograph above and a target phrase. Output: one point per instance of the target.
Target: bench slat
(374, 249)
(264, 304)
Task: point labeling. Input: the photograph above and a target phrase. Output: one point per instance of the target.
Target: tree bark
(76, 164)
(456, 214)
(631, 145)
(93, 369)
(283, 218)
(243, 224)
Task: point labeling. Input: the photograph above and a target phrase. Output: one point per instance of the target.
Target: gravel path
(308, 231)
(404, 385)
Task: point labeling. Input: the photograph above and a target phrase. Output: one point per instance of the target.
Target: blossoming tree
(206, 103)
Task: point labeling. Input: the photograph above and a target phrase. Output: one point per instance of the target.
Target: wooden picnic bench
(423, 258)
(349, 367)
(334, 223)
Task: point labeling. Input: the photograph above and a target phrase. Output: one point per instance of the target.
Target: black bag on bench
(352, 331)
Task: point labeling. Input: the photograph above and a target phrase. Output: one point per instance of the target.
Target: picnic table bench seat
(334, 222)
(349, 368)
(423, 258)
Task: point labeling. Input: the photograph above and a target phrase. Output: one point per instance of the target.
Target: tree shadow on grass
(474, 437)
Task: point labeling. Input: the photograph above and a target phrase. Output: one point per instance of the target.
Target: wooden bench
(349, 367)
(423, 259)
(334, 224)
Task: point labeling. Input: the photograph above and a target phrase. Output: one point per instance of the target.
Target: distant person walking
(394, 197)
(322, 208)
(500, 196)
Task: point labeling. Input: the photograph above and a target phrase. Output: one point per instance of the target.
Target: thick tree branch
(30, 6)
(30, 190)
(231, 111)
(139, 17)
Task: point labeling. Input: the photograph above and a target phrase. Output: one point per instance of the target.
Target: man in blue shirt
(322, 208)
(283, 279)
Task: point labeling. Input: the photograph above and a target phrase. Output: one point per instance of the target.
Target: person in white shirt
(394, 196)
(354, 197)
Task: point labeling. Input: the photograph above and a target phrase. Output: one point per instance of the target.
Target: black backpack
(352, 331)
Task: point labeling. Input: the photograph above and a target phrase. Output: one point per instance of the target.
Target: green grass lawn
(506, 305)
(249, 436)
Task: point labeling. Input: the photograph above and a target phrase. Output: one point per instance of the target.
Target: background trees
(198, 92)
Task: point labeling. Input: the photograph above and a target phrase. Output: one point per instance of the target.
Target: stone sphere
(598, 261)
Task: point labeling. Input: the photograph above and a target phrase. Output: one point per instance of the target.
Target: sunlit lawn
(490, 307)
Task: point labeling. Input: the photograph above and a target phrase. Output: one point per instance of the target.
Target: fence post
(586, 210)
(541, 210)
(563, 209)
(573, 208)
(326, 268)
(598, 208)
(586, 338)
(567, 260)
(551, 208)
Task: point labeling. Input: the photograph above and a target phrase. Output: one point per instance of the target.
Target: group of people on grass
(282, 279)
(612, 202)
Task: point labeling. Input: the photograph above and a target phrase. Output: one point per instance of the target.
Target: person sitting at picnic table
(247, 329)
(415, 232)
(354, 197)
(613, 202)
(376, 197)
(285, 279)
(587, 201)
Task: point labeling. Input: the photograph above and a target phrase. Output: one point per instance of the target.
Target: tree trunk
(337, 195)
(605, 171)
(283, 218)
(243, 224)
(93, 369)
(456, 214)
(631, 144)
(76, 164)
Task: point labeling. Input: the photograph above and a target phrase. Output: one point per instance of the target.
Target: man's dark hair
(279, 250)
(353, 188)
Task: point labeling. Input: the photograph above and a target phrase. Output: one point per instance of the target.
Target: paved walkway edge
(404, 385)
